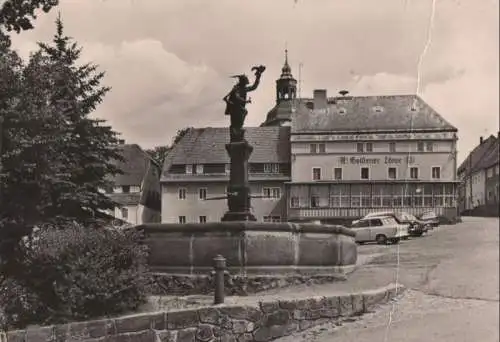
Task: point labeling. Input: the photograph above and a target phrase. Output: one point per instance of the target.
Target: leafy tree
(17, 15)
(180, 134)
(158, 153)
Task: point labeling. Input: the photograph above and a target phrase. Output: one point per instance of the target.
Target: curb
(265, 321)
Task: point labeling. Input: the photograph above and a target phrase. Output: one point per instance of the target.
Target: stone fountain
(259, 255)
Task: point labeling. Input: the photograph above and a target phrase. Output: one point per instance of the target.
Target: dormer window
(342, 111)
(271, 168)
(378, 109)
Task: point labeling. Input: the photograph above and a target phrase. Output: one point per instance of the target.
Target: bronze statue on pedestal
(236, 102)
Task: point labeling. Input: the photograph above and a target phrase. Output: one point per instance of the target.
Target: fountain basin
(251, 248)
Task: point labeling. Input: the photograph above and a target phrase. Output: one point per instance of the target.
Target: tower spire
(286, 71)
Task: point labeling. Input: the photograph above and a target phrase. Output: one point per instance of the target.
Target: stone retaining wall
(235, 285)
(223, 323)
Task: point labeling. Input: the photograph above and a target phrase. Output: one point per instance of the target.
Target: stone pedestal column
(239, 202)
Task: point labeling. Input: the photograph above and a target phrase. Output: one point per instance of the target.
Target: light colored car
(381, 229)
(375, 214)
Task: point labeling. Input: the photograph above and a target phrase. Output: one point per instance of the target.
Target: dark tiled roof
(134, 166)
(478, 158)
(207, 146)
(283, 111)
(126, 199)
(369, 113)
(491, 157)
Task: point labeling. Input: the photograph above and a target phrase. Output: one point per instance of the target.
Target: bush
(75, 274)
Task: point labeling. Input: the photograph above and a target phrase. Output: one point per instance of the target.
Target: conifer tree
(89, 152)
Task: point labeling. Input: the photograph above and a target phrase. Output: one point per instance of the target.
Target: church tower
(286, 97)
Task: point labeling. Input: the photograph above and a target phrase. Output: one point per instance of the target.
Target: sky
(169, 61)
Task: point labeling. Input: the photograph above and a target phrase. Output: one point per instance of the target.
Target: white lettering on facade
(375, 161)
(376, 136)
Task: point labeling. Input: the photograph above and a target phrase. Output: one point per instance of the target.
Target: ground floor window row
(364, 173)
(372, 195)
(203, 219)
(273, 193)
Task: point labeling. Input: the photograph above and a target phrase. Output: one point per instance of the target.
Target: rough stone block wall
(263, 322)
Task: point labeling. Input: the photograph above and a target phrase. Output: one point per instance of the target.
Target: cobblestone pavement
(452, 275)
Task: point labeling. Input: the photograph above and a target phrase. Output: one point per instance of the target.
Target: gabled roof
(134, 166)
(491, 158)
(207, 146)
(476, 160)
(370, 114)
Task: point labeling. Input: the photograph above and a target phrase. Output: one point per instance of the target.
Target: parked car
(416, 227)
(381, 229)
(430, 218)
(392, 214)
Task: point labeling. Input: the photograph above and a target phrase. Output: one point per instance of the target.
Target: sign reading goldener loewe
(376, 161)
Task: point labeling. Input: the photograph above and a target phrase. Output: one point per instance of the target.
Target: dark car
(430, 218)
(416, 227)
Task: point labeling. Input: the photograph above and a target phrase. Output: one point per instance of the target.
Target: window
(360, 147)
(340, 195)
(126, 189)
(315, 201)
(182, 219)
(227, 169)
(189, 169)
(360, 195)
(392, 147)
(322, 148)
(392, 173)
(337, 173)
(271, 168)
(182, 193)
(369, 147)
(365, 173)
(490, 172)
(272, 193)
(313, 148)
(202, 193)
(317, 148)
(414, 172)
(135, 188)
(125, 213)
(203, 219)
(430, 146)
(272, 219)
(199, 169)
(361, 224)
(376, 223)
(436, 172)
(420, 146)
(316, 173)
(294, 202)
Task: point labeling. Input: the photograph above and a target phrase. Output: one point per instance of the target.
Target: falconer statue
(236, 102)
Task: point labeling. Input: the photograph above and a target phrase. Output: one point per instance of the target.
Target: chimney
(320, 100)
(480, 140)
